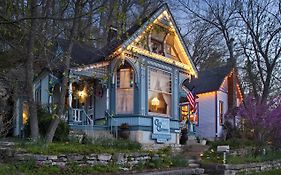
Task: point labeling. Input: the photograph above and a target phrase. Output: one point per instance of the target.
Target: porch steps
(193, 151)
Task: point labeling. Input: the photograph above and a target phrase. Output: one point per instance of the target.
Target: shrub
(44, 121)
(179, 161)
(262, 120)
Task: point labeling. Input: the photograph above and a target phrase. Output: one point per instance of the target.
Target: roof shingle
(209, 80)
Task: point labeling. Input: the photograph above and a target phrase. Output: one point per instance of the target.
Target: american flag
(191, 99)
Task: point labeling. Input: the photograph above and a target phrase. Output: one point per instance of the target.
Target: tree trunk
(73, 34)
(30, 74)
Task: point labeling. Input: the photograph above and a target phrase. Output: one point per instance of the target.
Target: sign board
(161, 129)
(223, 148)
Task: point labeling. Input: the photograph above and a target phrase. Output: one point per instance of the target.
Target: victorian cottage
(136, 79)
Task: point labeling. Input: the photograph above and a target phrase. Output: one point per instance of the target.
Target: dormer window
(157, 46)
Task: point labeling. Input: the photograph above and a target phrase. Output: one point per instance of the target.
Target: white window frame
(116, 89)
(148, 89)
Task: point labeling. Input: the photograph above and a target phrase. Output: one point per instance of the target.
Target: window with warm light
(125, 90)
(159, 92)
(221, 112)
(25, 113)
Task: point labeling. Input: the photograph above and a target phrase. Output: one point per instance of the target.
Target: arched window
(125, 89)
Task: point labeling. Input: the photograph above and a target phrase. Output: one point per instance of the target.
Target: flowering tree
(262, 120)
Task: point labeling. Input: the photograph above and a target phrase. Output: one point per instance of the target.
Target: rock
(60, 164)
(39, 157)
(194, 165)
(23, 156)
(132, 163)
(75, 157)
(52, 157)
(191, 161)
(104, 157)
(92, 157)
(92, 162)
(119, 158)
(199, 171)
(102, 162)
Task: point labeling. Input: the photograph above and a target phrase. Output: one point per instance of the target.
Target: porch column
(107, 99)
(70, 116)
(70, 94)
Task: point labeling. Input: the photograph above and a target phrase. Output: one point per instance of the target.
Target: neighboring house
(218, 90)
(135, 79)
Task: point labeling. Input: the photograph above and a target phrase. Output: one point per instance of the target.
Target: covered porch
(88, 96)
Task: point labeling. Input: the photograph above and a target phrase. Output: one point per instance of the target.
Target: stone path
(192, 152)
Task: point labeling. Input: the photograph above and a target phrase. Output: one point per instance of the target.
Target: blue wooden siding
(141, 119)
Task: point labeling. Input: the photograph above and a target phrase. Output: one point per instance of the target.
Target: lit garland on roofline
(161, 58)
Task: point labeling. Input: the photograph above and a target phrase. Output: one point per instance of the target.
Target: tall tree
(255, 25)
(29, 71)
(261, 41)
(67, 56)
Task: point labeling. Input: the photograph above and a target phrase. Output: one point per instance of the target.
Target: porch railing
(80, 116)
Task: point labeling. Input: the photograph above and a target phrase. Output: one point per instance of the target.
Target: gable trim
(147, 26)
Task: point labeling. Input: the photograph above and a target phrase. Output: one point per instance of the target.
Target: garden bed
(111, 156)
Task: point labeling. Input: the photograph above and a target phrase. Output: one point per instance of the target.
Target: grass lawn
(99, 146)
(270, 155)
(31, 168)
(271, 172)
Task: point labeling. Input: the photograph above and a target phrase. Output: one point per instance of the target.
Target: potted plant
(124, 131)
(184, 136)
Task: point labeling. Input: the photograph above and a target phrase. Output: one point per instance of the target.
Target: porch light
(24, 117)
(155, 102)
(25, 113)
(82, 93)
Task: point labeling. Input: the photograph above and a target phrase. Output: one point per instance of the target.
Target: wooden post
(70, 115)
(70, 95)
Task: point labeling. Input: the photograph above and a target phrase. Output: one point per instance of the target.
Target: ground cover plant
(31, 167)
(93, 146)
(270, 172)
(211, 155)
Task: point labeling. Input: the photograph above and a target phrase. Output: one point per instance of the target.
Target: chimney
(112, 33)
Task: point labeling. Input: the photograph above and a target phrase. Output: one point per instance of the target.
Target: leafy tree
(261, 120)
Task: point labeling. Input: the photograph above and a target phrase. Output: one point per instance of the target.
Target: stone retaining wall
(234, 169)
(126, 159)
(251, 167)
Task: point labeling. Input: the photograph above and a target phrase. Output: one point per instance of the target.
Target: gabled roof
(163, 9)
(85, 54)
(209, 80)
(81, 53)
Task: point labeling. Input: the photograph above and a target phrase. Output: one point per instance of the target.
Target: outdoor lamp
(82, 93)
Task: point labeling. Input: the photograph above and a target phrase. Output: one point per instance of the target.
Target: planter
(124, 133)
(184, 137)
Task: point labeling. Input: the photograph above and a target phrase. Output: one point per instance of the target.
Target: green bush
(44, 121)
(119, 144)
(179, 161)
(233, 143)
